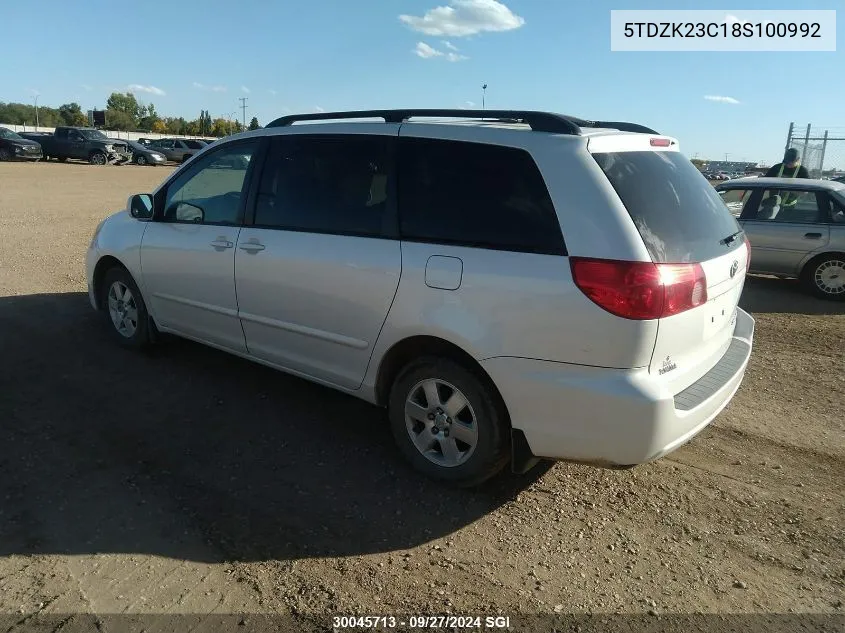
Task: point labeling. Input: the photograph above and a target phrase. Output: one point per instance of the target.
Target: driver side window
(210, 191)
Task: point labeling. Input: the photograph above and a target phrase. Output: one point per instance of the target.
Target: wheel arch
(404, 351)
(814, 258)
(104, 265)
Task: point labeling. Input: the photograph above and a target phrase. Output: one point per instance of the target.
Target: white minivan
(510, 285)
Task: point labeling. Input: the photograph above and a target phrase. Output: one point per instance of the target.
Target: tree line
(125, 113)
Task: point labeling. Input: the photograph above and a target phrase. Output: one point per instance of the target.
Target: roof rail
(536, 120)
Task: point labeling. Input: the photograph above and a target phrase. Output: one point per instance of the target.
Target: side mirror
(141, 206)
(185, 212)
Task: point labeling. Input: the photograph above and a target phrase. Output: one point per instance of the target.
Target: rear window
(678, 213)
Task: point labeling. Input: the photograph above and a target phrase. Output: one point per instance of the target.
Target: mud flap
(522, 459)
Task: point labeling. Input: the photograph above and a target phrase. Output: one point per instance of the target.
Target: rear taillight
(640, 290)
(747, 254)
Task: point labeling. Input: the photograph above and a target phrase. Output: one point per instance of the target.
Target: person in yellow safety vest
(790, 167)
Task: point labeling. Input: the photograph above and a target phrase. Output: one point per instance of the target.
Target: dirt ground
(189, 481)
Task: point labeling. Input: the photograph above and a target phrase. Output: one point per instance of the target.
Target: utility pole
(243, 108)
(789, 136)
(36, 112)
(484, 97)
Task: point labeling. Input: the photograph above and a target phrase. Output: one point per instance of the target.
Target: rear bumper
(614, 417)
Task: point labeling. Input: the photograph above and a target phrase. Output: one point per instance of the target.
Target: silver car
(796, 228)
(519, 287)
(177, 150)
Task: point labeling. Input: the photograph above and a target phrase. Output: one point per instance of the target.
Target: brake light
(640, 290)
(747, 254)
(660, 142)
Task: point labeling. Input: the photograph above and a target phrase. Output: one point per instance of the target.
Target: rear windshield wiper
(727, 241)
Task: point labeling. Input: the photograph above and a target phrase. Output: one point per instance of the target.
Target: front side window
(325, 184)
(474, 194)
(210, 191)
(790, 205)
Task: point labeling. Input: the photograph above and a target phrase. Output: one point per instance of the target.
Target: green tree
(221, 127)
(119, 120)
(126, 103)
(147, 117)
(71, 114)
(253, 124)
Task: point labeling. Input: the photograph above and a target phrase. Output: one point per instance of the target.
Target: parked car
(839, 178)
(177, 149)
(796, 228)
(15, 147)
(509, 290)
(82, 143)
(142, 155)
(144, 141)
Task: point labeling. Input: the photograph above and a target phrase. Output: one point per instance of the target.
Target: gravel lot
(189, 481)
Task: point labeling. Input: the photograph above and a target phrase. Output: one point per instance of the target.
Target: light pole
(36, 112)
(484, 97)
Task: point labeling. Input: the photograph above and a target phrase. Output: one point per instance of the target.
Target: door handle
(221, 243)
(813, 236)
(251, 247)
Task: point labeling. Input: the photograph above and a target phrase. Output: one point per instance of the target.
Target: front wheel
(140, 159)
(124, 309)
(448, 422)
(825, 278)
(97, 158)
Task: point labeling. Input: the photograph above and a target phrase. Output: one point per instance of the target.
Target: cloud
(450, 46)
(273, 92)
(470, 104)
(150, 89)
(427, 51)
(200, 86)
(86, 87)
(465, 17)
(245, 90)
(719, 99)
(318, 109)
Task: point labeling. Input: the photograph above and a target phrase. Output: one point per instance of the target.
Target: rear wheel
(62, 159)
(825, 277)
(124, 309)
(185, 157)
(5, 154)
(448, 422)
(97, 158)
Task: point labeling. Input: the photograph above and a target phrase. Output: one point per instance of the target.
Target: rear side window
(678, 213)
(194, 144)
(326, 184)
(473, 194)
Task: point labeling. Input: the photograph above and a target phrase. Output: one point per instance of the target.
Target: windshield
(678, 213)
(93, 134)
(8, 134)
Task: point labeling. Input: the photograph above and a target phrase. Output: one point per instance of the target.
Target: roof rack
(536, 120)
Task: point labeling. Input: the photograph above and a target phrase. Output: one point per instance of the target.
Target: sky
(284, 57)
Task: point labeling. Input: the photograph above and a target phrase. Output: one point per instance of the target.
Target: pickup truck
(81, 143)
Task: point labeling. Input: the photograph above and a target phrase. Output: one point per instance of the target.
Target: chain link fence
(822, 148)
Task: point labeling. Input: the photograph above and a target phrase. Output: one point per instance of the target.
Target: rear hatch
(692, 238)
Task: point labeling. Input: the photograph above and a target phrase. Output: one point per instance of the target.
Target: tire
(825, 277)
(432, 445)
(45, 157)
(140, 159)
(118, 310)
(97, 158)
(185, 158)
(5, 154)
(62, 159)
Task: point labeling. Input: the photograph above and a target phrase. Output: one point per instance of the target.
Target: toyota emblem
(734, 268)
